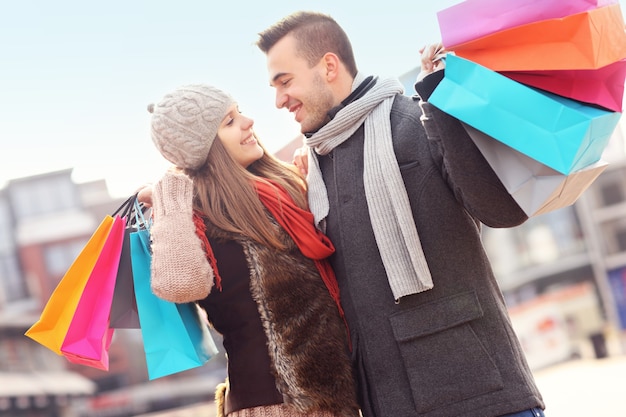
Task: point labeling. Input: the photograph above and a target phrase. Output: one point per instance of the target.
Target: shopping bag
(603, 86)
(536, 188)
(564, 134)
(51, 328)
(124, 305)
(587, 40)
(473, 19)
(88, 336)
(175, 338)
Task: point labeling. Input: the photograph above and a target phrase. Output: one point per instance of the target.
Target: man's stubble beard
(318, 105)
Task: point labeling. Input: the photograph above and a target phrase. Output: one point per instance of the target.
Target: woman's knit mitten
(181, 272)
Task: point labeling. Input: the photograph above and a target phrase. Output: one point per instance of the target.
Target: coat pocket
(444, 358)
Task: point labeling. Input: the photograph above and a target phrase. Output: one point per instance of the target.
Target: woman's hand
(144, 195)
(300, 160)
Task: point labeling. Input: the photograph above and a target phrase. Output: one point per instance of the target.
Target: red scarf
(298, 223)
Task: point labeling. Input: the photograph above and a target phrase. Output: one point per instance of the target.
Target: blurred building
(45, 221)
(563, 274)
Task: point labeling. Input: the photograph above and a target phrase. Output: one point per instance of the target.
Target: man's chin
(310, 128)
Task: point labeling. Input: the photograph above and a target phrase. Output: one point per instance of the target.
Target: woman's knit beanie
(185, 123)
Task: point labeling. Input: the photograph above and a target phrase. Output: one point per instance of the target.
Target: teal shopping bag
(175, 336)
(564, 134)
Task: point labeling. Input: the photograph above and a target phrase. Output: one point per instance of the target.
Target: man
(401, 190)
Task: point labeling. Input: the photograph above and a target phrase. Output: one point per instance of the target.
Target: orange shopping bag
(587, 40)
(51, 328)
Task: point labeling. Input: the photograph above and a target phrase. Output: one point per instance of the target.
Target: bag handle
(140, 219)
(125, 208)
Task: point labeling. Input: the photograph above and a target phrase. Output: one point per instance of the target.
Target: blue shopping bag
(564, 134)
(175, 336)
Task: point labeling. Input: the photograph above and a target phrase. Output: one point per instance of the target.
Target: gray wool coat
(450, 351)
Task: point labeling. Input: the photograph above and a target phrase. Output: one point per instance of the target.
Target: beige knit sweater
(180, 270)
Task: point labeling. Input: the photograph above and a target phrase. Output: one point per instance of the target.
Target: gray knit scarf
(387, 200)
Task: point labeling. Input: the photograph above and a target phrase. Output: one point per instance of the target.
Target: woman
(232, 232)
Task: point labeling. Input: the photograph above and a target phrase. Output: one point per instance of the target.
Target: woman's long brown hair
(226, 196)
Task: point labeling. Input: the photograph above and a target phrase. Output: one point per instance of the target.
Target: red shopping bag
(603, 86)
(587, 40)
(89, 336)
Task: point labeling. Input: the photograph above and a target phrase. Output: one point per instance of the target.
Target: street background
(577, 388)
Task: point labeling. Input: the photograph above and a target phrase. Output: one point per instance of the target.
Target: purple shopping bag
(473, 19)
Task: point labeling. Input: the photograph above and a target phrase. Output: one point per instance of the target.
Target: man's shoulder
(406, 107)
(404, 102)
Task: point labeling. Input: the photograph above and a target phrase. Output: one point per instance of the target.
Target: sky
(76, 76)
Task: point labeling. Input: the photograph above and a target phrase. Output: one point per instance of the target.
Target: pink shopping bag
(89, 336)
(473, 19)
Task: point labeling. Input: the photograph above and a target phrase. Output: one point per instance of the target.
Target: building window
(611, 194)
(614, 234)
(13, 286)
(609, 189)
(6, 228)
(59, 257)
(542, 239)
(49, 195)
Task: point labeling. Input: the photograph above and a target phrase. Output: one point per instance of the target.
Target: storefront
(42, 394)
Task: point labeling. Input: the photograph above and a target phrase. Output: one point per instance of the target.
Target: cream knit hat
(185, 123)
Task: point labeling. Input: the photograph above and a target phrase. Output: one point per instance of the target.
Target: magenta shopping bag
(89, 336)
(473, 19)
(603, 87)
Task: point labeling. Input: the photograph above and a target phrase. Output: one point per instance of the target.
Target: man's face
(301, 89)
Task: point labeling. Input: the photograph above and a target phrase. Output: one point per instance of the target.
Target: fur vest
(306, 337)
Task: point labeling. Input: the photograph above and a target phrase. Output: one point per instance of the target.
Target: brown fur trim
(220, 398)
(306, 335)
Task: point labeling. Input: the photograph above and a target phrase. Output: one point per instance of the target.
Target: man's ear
(331, 64)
